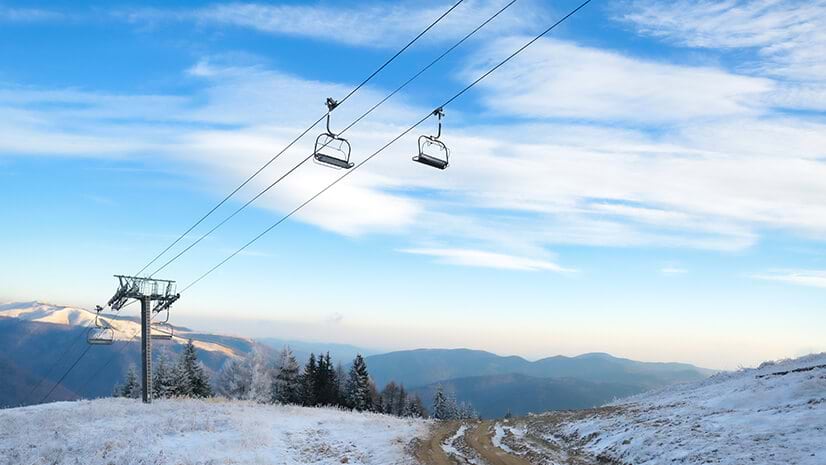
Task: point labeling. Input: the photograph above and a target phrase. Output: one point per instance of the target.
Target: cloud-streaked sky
(649, 180)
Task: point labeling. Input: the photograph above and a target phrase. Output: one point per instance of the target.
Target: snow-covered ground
(124, 431)
(774, 414)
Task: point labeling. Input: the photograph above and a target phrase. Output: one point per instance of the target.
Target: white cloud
(362, 24)
(27, 15)
(673, 270)
(513, 188)
(480, 258)
(558, 79)
(814, 278)
(789, 35)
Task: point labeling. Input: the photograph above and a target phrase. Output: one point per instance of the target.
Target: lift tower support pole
(147, 291)
(146, 349)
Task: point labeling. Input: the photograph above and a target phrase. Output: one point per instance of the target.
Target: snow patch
(775, 413)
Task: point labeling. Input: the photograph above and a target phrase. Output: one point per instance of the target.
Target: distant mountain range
(34, 336)
(495, 384)
(424, 366)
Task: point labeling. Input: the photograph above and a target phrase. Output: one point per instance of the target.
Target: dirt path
(531, 449)
(430, 451)
(479, 438)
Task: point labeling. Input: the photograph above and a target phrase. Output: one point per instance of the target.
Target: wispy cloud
(28, 15)
(483, 259)
(789, 35)
(559, 79)
(367, 24)
(671, 270)
(813, 278)
(711, 182)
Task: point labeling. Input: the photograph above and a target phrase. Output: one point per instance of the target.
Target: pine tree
(191, 378)
(131, 386)
(309, 395)
(287, 384)
(181, 382)
(359, 386)
(442, 408)
(326, 386)
(163, 379)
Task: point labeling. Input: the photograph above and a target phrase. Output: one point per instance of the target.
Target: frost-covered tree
(163, 378)
(341, 385)
(415, 408)
(260, 375)
(234, 379)
(286, 387)
(182, 383)
(131, 387)
(444, 407)
(465, 411)
(191, 379)
(359, 386)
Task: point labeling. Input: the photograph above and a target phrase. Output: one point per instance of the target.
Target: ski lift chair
(101, 333)
(432, 151)
(331, 150)
(161, 330)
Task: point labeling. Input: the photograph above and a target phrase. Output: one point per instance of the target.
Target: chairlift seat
(430, 161)
(100, 336)
(332, 151)
(161, 331)
(333, 161)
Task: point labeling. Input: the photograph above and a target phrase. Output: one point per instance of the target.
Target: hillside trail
(480, 439)
(530, 448)
(430, 452)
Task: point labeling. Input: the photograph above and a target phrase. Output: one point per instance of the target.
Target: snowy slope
(124, 327)
(124, 431)
(774, 414)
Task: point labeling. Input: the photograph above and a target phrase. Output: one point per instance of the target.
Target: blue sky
(649, 180)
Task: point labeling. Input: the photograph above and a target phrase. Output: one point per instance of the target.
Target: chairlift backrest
(100, 336)
(432, 152)
(161, 331)
(332, 151)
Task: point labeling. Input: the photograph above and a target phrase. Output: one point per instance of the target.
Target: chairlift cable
(88, 380)
(57, 362)
(401, 51)
(356, 121)
(303, 133)
(110, 359)
(284, 218)
(405, 132)
(65, 374)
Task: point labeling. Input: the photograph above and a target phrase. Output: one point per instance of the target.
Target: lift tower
(146, 290)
